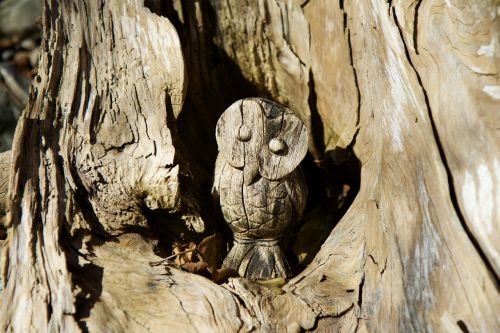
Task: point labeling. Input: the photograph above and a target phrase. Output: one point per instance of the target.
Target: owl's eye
(244, 133)
(277, 146)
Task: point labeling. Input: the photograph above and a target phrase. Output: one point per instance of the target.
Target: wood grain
(410, 86)
(93, 154)
(262, 197)
(403, 244)
(5, 161)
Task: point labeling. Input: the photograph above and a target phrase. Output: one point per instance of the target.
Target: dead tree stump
(114, 151)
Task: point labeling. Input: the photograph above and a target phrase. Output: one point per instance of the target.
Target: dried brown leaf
(199, 268)
(211, 249)
(223, 274)
(184, 253)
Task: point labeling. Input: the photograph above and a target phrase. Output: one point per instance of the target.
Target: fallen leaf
(211, 249)
(301, 257)
(223, 274)
(199, 268)
(276, 282)
(274, 285)
(183, 253)
(203, 259)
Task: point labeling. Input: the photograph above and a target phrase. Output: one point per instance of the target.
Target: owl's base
(257, 259)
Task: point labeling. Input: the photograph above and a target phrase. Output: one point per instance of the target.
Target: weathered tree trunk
(114, 153)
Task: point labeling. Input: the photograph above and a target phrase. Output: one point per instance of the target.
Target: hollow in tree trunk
(114, 153)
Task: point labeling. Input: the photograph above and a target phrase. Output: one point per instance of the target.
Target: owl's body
(261, 188)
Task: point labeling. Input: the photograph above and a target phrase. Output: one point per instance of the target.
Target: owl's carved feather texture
(259, 183)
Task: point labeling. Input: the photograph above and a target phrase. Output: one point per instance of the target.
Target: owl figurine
(259, 183)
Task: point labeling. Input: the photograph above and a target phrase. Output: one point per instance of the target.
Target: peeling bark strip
(5, 162)
(96, 152)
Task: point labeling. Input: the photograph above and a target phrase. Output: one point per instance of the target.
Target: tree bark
(114, 153)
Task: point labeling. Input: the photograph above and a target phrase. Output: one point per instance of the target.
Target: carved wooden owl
(259, 183)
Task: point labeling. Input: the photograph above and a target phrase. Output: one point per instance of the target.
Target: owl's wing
(286, 128)
(297, 191)
(219, 164)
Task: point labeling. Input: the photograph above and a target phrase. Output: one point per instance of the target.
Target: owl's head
(261, 137)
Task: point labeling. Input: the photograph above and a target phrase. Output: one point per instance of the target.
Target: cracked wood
(399, 260)
(259, 183)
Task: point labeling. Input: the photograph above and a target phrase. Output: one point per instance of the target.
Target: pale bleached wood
(399, 260)
(259, 184)
(469, 62)
(138, 296)
(5, 159)
(93, 152)
(5, 163)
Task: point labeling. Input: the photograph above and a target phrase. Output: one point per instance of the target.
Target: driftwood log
(114, 153)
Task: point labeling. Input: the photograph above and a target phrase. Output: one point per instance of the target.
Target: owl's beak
(250, 173)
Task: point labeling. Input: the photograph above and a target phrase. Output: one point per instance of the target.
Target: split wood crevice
(113, 146)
